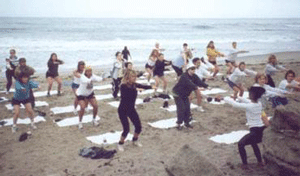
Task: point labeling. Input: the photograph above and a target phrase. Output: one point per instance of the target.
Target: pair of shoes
(80, 126)
(14, 129)
(120, 147)
(95, 122)
(137, 143)
(187, 125)
(200, 109)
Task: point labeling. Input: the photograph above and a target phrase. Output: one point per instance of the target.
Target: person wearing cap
(187, 83)
(52, 73)
(85, 94)
(23, 68)
(11, 64)
(76, 81)
(117, 74)
(256, 120)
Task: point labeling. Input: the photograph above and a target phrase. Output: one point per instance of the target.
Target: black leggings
(253, 138)
(270, 81)
(183, 109)
(116, 86)
(9, 75)
(133, 116)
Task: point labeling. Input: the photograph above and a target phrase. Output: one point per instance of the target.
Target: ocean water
(97, 40)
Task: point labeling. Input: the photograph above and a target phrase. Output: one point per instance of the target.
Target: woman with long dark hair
(52, 73)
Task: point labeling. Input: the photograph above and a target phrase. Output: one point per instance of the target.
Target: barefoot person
(52, 73)
(231, 59)
(127, 107)
(85, 94)
(117, 74)
(256, 121)
(11, 64)
(150, 64)
(23, 68)
(237, 78)
(76, 82)
(21, 96)
(271, 68)
(181, 91)
(212, 55)
(158, 72)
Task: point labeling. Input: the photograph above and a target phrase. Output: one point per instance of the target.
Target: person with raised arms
(212, 55)
(22, 96)
(85, 94)
(76, 82)
(11, 64)
(125, 54)
(52, 73)
(272, 68)
(202, 71)
(158, 72)
(151, 63)
(126, 109)
(237, 78)
(231, 58)
(179, 63)
(256, 120)
(289, 83)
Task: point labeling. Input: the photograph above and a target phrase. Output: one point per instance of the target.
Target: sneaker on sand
(33, 126)
(80, 126)
(120, 147)
(14, 129)
(95, 122)
(200, 109)
(137, 143)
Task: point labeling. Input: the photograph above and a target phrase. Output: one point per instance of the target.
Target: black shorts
(91, 96)
(213, 62)
(231, 84)
(148, 66)
(18, 102)
(178, 70)
(52, 75)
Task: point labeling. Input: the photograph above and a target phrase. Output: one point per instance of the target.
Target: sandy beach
(53, 150)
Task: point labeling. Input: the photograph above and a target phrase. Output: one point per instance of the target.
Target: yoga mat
(9, 122)
(10, 90)
(213, 91)
(165, 124)
(103, 97)
(37, 104)
(75, 120)
(172, 108)
(110, 138)
(229, 138)
(67, 109)
(117, 103)
(44, 93)
(102, 87)
(149, 91)
(143, 81)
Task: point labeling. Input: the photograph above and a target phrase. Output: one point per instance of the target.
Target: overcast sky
(152, 8)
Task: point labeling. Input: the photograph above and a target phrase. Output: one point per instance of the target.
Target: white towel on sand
(37, 119)
(44, 93)
(75, 120)
(102, 87)
(109, 137)
(37, 104)
(165, 124)
(172, 108)
(213, 91)
(67, 109)
(229, 138)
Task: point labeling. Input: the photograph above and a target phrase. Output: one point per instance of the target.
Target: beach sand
(53, 150)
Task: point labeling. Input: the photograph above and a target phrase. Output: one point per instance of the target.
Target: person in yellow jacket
(212, 55)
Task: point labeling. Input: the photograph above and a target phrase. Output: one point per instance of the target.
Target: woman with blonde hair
(271, 68)
(151, 63)
(212, 55)
(126, 108)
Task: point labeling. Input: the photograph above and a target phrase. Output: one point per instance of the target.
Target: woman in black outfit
(126, 108)
(52, 73)
(126, 53)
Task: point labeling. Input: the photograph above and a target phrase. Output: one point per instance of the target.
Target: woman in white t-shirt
(85, 94)
(256, 120)
(76, 81)
(289, 84)
(151, 63)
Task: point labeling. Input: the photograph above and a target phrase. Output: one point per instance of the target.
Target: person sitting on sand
(151, 63)
(181, 91)
(158, 72)
(231, 59)
(271, 68)
(180, 62)
(236, 79)
(127, 107)
(212, 55)
(21, 96)
(289, 83)
(28, 71)
(85, 94)
(76, 81)
(117, 74)
(52, 73)
(11, 64)
(256, 120)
